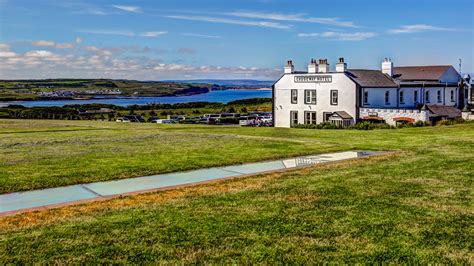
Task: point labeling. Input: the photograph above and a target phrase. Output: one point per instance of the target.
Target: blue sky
(187, 39)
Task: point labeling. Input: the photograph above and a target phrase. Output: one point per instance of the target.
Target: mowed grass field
(411, 206)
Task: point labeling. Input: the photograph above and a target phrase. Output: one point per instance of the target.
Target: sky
(231, 39)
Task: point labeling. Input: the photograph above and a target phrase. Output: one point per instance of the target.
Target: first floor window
(452, 95)
(310, 96)
(309, 118)
(334, 97)
(427, 96)
(294, 118)
(415, 96)
(326, 116)
(387, 97)
(402, 97)
(366, 97)
(438, 95)
(294, 96)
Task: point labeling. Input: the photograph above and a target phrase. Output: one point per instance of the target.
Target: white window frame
(293, 117)
(294, 96)
(334, 97)
(310, 97)
(427, 96)
(387, 97)
(310, 118)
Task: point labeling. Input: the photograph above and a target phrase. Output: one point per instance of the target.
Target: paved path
(48, 198)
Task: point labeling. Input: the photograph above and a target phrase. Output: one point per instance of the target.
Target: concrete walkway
(48, 198)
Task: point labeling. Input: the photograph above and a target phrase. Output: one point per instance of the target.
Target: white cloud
(201, 35)
(418, 28)
(340, 36)
(79, 40)
(7, 54)
(4, 47)
(153, 33)
(128, 33)
(132, 9)
(52, 44)
(38, 53)
(265, 24)
(294, 17)
(103, 62)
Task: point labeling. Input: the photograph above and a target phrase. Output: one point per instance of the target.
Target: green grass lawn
(411, 207)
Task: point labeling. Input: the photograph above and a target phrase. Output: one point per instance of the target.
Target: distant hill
(229, 82)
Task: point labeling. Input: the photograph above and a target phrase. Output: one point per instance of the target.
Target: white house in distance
(346, 96)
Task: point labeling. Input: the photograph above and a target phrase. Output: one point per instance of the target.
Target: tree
(244, 110)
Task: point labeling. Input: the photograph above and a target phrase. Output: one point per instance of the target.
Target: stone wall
(389, 114)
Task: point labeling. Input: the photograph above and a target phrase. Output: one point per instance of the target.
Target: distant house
(346, 96)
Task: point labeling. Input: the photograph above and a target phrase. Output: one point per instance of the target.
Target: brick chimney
(289, 68)
(341, 66)
(313, 66)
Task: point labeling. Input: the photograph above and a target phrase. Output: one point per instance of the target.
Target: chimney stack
(387, 67)
(312, 67)
(341, 66)
(323, 66)
(289, 68)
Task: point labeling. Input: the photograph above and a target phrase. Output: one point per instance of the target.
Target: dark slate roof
(433, 73)
(343, 114)
(371, 78)
(445, 111)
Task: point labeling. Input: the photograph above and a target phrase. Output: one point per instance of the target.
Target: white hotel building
(346, 96)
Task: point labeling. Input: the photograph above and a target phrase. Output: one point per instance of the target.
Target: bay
(223, 96)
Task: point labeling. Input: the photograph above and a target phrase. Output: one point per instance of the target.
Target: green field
(414, 206)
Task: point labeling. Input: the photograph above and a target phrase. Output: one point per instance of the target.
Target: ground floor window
(309, 118)
(326, 116)
(293, 118)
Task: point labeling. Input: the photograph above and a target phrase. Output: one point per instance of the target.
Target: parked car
(164, 121)
(123, 120)
(134, 118)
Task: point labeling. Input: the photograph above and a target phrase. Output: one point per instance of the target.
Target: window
(427, 96)
(294, 96)
(334, 97)
(366, 97)
(415, 96)
(387, 97)
(402, 97)
(452, 95)
(310, 96)
(438, 95)
(326, 116)
(310, 118)
(293, 118)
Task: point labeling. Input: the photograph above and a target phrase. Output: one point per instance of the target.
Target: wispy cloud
(153, 33)
(265, 24)
(294, 18)
(418, 28)
(201, 35)
(132, 9)
(123, 32)
(52, 44)
(340, 36)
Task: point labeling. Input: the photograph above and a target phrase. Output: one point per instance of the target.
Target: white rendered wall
(282, 95)
(377, 97)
